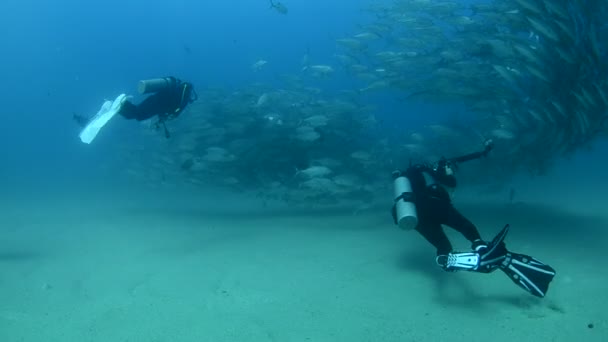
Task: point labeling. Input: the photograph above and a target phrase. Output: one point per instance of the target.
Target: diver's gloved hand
(489, 145)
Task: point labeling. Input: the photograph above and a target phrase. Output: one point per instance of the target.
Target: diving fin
(484, 258)
(106, 112)
(451, 262)
(528, 273)
(492, 256)
(525, 271)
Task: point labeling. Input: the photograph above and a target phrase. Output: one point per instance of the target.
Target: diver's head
(189, 92)
(444, 167)
(488, 146)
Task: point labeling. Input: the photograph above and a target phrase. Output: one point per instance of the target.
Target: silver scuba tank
(155, 84)
(405, 209)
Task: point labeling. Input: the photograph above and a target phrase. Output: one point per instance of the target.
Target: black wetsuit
(433, 204)
(166, 103)
(434, 208)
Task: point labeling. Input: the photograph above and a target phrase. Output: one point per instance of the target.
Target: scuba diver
(422, 202)
(169, 97)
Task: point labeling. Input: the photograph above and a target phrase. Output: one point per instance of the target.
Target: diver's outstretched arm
(489, 145)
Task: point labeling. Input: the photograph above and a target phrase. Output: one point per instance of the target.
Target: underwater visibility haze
(249, 193)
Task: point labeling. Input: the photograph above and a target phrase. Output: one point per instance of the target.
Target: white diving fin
(107, 112)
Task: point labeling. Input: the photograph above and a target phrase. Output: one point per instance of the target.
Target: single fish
(262, 100)
(320, 71)
(316, 120)
(258, 65)
(314, 172)
(307, 134)
(279, 7)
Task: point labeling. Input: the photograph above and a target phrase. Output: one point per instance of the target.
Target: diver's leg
(456, 220)
(153, 105)
(156, 104)
(449, 260)
(129, 110)
(433, 233)
(484, 258)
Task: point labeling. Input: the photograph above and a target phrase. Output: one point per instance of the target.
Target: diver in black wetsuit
(432, 208)
(166, 103)
(433, 203)
(169, 97)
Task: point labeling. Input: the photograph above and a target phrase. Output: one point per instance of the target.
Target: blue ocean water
(64, 57)
(61, 58)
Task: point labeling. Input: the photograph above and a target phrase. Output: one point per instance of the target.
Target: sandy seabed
(145, 266)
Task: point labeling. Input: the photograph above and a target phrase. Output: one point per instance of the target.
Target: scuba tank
(405, 209)
(155, 85)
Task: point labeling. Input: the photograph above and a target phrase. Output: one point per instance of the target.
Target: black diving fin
(528, 273)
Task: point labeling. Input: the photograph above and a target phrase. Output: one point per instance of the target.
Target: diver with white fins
(169, 97)
(422, 202)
